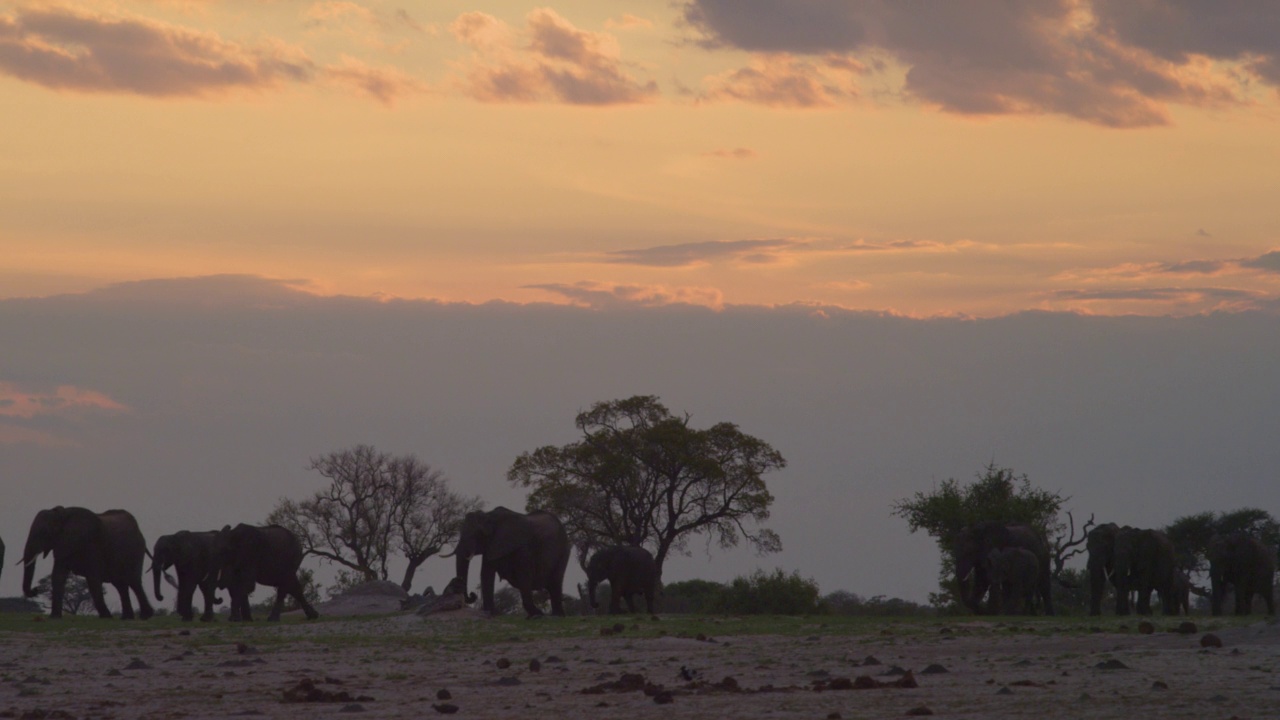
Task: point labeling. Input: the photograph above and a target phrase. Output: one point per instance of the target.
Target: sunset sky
(898, 241)
(977, 158)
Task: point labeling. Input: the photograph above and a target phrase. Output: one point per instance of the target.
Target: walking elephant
(100, 547)
(530, 552)
(974, 544)
(630, 570)
(190, 554)
(1246, 565)
(1144, 562)
(1013, 573)
(249, 555)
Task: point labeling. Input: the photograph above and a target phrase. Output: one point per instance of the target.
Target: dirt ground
(394, 666)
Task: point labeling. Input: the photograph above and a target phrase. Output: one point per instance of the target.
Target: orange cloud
(781, 80)
(17, 435)
(629, 22)
(384, 84)
(549, 61)
(65, 49)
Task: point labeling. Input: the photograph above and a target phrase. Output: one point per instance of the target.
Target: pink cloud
(62, 401)
(550, 60)
(738, 153)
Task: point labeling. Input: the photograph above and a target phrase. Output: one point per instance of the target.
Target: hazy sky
(896, 240)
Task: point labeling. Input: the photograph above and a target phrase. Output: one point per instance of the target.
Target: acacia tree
(996, 495)
(376, 505)
(640, 475)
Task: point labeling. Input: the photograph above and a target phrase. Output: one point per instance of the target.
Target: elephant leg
(557, 600)
(278, 606)
(57, 590)
(615, 599)
(630, 597)
(99, 599)
(648, 601)
(486, 587)
(186, 598)
(530, 608)
(207, 591)
(294, 588)
(145, 611)
(126, 604)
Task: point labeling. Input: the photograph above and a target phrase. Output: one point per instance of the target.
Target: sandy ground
(393, 666)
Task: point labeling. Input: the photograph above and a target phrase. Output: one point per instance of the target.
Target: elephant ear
(509, 536)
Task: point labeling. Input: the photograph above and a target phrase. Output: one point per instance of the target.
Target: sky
(896, 240)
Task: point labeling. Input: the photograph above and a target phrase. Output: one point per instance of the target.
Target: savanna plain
(402, 665)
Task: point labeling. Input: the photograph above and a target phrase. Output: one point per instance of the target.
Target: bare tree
(1068, 546)
(376, 505)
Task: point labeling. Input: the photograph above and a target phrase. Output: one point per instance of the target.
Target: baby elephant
(630, 571)
(1013, 573)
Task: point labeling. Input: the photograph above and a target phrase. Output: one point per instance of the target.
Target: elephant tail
(471, 597)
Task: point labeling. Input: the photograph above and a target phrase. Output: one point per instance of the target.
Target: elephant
(529, 551)
(1247, 565)
(1, 556)
(102, 548)
(1144, 562)
(1101, 544)
(1012, 572)
(1182, 589)
(972, 546)
(246, 555)
(630, 570)
(191, 555)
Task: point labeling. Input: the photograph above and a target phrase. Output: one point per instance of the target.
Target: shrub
(773, 593)
(690, 596)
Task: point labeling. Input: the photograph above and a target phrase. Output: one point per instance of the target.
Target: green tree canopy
(996, 495)
(640, 475)
(1191, 533)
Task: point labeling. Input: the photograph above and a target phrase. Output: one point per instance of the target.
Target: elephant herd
(1007, 564)
(108, 548)
(529, 551)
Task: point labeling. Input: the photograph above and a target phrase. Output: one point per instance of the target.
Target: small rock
(137, 664)
(1218, 698)
(445, 708)
(1187, 628)
(618, 627)
(1004, 690)
(534, 665)
(833, 716)
(510, 680)
(894, 670)
(663, 698)
(934, 669)
(246, 649)
(114, 672)
(1159, 685)
(920, 710)
(443, 694)
(871, 660)
(353, 707)
(1146, 628)
(1111, 664)
(503, 663)
(1209, 640)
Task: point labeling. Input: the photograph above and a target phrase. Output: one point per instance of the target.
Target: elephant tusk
(450, 554)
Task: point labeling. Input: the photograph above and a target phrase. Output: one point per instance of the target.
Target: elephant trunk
(157, 569)
(29, 554)
(591, 593)
(463, 566)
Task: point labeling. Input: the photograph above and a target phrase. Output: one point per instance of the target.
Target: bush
(770, 594)
(843, 602)
(690, 596)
